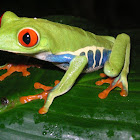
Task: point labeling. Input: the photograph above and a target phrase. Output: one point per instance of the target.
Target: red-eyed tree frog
(69, 48)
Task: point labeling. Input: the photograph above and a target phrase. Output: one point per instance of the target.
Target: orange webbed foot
(43, 95)
(114, 82)
(11, 68)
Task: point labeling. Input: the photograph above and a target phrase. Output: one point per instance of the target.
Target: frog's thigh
(119, 57)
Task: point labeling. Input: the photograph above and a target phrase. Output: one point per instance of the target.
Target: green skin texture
(58, 38)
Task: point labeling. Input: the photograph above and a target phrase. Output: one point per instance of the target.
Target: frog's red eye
(28, 37)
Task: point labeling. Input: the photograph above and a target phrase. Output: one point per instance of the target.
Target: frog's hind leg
(117, 67)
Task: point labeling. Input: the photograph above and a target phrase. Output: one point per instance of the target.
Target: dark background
(109, 13)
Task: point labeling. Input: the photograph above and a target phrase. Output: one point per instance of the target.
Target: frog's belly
(86, 70)
(97, 56)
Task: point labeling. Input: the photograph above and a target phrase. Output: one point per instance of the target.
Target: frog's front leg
(76, 67)
(117, 67)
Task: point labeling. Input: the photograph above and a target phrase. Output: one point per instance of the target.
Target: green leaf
(78, 114)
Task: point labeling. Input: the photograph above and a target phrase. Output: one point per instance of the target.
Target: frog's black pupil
(26, 38)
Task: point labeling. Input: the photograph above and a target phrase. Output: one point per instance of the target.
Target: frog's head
(22, 35)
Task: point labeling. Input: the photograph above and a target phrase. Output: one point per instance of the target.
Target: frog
(70, 48)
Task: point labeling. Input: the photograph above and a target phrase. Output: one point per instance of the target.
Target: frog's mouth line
(36, 55)
(40, 56)
(8, 51)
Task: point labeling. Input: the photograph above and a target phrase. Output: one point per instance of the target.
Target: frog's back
(69, 38)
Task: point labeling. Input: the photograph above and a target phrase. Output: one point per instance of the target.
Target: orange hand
(13, 68)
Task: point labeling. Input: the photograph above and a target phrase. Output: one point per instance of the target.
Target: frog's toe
(2, 78)
(25, 73)
(103, 94)
(26, 99)
(123, 86)
(124, 93)
(43, 110)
